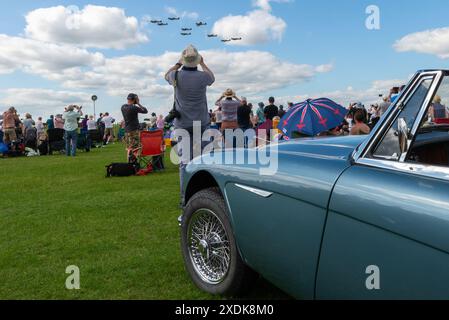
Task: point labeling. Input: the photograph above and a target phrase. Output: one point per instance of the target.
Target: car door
(387, 232)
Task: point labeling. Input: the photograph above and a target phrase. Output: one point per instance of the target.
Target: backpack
(121, 170)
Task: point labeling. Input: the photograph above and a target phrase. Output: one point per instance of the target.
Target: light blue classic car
(356, 217)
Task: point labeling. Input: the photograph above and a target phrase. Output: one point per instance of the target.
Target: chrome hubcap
(209, 248)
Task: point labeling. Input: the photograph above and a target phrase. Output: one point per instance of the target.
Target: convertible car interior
(431, 146)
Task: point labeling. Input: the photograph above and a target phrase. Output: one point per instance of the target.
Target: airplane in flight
(186, 29)
(186, 33)
(236, 39)
(199, 24)
(226, 40)
(156, 21)
(212, 35)
(174, 18)
(162, 24)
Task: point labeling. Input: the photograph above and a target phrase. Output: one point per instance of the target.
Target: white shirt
(91, 125)
(108, 122)
(218, 116)
(39, 127)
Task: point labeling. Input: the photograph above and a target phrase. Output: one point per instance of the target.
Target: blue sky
(316, 33)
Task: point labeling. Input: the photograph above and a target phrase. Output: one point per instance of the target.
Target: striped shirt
(229, 109)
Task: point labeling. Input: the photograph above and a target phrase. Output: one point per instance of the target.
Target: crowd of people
(25, 135)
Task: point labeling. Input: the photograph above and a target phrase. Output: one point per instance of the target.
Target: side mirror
(403, 134)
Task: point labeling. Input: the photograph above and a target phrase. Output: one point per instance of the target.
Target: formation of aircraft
(187, 31)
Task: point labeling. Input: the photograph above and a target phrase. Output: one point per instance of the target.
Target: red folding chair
(153, 149)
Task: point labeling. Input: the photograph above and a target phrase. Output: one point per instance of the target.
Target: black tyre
(209, 248)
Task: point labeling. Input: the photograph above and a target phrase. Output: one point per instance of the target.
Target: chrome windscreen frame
(360, 156)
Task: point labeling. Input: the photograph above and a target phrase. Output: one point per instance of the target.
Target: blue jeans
(71, 141)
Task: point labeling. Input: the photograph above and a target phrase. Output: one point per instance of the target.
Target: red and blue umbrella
(312, 117)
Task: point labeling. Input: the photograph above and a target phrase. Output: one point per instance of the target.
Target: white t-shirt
(108, 122)
(219, 116)
(91, 125)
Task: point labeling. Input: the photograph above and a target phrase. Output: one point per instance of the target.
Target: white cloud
(184, 14)
(257, 26)
(265, 4)
(434, 41)
(41, 102)
(42, 58)
(91, 27)
(247, 72)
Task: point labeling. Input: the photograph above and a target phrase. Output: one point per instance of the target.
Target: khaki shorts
(109, 132)
(132, 140)
(9, 135)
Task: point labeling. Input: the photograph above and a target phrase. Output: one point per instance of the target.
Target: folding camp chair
(152, 150)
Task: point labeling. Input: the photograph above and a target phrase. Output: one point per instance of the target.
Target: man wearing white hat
(190, 85)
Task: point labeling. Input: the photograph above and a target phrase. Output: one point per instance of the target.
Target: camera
(174, 114)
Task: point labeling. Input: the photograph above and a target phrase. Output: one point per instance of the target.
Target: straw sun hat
(229, 93)
(190, 57)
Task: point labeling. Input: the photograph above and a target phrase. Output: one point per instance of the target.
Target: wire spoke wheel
(208, 246)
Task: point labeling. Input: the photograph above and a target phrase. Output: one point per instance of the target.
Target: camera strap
(175, 85)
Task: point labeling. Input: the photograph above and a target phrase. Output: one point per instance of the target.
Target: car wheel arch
(200, 181)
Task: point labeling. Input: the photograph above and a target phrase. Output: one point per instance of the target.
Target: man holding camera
(190, 86)
(130, 113)
(70, 118)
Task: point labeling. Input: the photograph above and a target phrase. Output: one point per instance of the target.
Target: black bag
(121, 170)
(43, 148)
(174, 114)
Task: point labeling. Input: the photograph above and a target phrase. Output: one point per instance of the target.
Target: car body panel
(408, 269)
(296, 209)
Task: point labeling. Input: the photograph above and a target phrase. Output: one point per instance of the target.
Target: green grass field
(122, 232)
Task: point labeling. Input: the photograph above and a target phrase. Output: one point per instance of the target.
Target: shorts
(132, 140)
(109, 132)
(9, 135)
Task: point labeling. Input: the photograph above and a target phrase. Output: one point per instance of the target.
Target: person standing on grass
(108, 128)
(39, 126)
(260, 113)
(229, 104)
(28, 123)
(10, 118)
(71, 118)
(271, 110)
(59, 122)
(160, 122)
(91, 128)
(51, 123)
(244, 115)
(190, 86)
(130, 113)
(100, 125)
